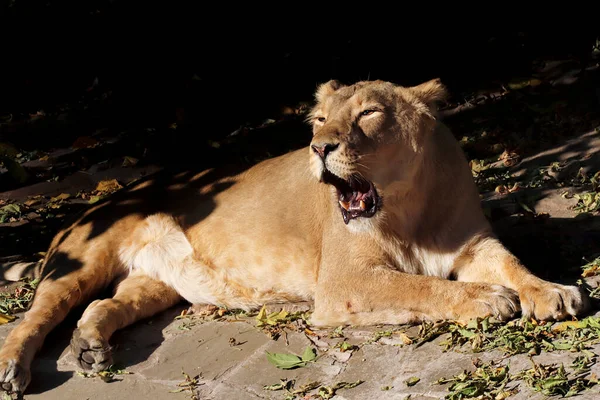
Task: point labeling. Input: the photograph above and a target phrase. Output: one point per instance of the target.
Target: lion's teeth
(363, 206)
(345, 205)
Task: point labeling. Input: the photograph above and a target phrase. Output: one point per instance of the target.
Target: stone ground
(157, 351)
(551, 240)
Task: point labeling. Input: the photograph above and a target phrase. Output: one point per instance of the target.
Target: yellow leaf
(5, 319)
(405, 339)
(591, 271)
(276, 317)
(60, 197)
(31, 202)
(563, 326)
(110, 185)
(535, 82)
(262, 314)
(517, 84)
(501, 189)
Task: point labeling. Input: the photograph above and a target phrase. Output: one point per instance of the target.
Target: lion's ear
(430, 92)
(327, 89)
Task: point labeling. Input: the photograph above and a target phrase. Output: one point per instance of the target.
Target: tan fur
(274, 233)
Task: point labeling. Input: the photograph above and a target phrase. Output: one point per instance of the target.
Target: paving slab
(158, 351)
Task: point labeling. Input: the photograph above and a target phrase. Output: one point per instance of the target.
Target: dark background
(247, 64)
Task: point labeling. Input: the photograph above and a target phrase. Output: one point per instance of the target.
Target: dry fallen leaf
(110, 185)
(84, 142)
(516, 187)
(5, 318)
(509, 158)
(60, 197)
(129, 161)
(32, 201)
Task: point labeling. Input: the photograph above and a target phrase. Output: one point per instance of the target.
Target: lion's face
(367, 137)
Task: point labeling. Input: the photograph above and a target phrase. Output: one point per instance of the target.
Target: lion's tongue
(355, 202)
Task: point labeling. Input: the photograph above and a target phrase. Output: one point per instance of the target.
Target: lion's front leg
(489, 261)
(382, 295)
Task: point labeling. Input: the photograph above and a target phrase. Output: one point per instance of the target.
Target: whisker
(365, 155)
(362, 165)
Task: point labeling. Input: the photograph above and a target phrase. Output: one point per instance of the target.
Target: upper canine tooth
(363, 206)
(345, 205)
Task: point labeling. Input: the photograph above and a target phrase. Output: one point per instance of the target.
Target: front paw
(14, 377)
(547, 301)
(485, 300)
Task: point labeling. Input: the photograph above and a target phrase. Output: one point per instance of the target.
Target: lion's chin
(357, 197)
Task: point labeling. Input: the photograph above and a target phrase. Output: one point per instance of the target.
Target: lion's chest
(424, 261)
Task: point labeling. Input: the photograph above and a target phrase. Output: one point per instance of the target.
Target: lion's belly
(257, 273)
(237, 271)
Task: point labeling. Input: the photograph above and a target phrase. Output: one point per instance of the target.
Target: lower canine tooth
(363, 206)
(345, 205)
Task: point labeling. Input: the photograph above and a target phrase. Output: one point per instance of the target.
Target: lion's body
(274, 233)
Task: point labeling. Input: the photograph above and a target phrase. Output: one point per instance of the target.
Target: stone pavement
(157, 351)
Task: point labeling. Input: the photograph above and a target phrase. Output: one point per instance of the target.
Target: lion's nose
(322, 149)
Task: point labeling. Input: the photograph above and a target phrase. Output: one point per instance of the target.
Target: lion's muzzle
(357, 197)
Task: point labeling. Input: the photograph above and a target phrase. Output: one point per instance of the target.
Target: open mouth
(357, 197)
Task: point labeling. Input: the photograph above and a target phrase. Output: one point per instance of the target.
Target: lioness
(377, 221)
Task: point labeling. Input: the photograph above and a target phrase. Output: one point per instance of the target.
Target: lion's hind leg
(136, 297)
(69, 282)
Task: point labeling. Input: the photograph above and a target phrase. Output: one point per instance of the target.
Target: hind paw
(91, 351)
(14, 377)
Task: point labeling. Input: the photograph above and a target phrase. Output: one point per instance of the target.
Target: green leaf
(485, 324)
(466, 333)
(94, 199)
(285, 361)
(16, 170)
(277, 386)
(562, 345)
(553, 382)
(10, 209)
(412, 381)
(308, 355)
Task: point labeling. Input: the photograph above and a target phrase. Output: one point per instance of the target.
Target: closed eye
(367, 112)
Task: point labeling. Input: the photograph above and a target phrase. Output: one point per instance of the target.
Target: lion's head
(369, 136)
